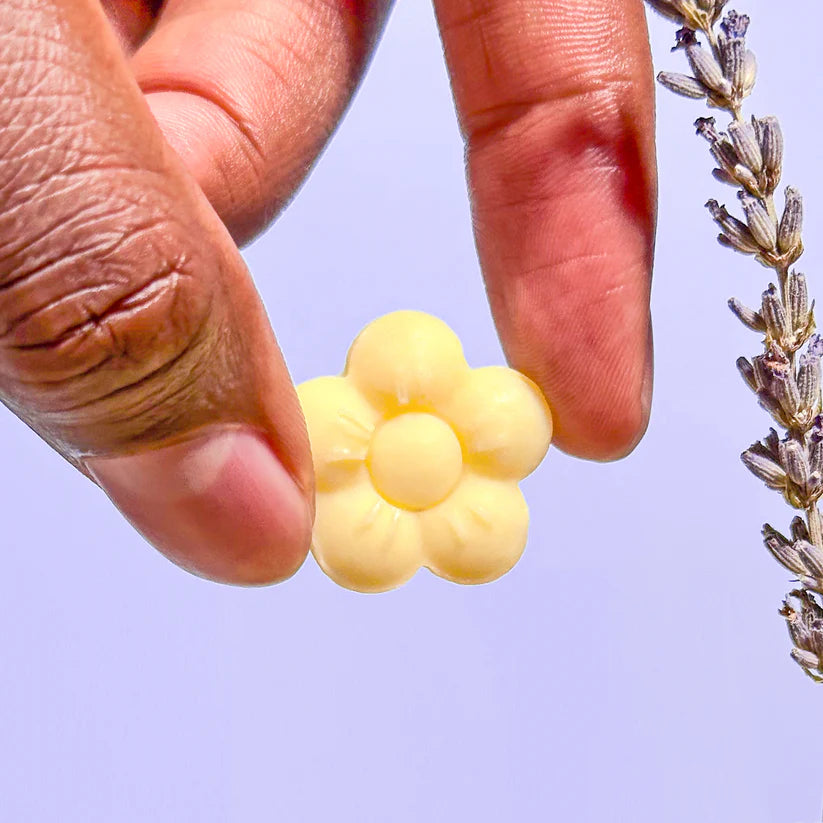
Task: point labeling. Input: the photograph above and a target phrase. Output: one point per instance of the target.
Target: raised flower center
(415, 460)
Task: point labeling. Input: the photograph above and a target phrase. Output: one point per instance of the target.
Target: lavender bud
(682, 84)
(748, 317)
(747, 373)
(732, 42)
(808, 660)
(784, 388)
(774, 314)
(771, 444)
(724, 154)
(762, 372)
(745, 143)
(782, 551)
(798, 300)
(772, 405)
(706, 69)
(804, 618)
(814, 584)
(746, 178)
(735, 26)
(771, 473)
(800, 531)
(749, 73)
(724, 177)
(683, 37)
(760, 222)
(808, 384)
(794, 462)
(733, 56)
(808, 375)
(728, 243)
(812, 556)
(735, 232)
(771, 144)
(791, 224)
(707, 128)
(816, 458)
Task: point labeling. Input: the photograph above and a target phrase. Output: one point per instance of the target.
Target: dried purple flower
(786, 378)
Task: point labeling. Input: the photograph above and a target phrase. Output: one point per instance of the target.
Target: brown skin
(139, 145)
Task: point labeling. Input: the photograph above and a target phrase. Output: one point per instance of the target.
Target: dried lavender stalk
(786, 377)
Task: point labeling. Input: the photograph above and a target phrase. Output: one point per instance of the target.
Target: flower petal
(478, 533)
(341, 423)
(407, 360)
(364, 543)
(503, 422)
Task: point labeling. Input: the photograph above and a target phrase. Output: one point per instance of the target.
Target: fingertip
(612, 431)
(220, 506)
(606, 445)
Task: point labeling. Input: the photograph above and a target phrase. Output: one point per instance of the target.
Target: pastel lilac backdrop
(632, 668)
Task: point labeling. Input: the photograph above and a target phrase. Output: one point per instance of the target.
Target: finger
(131, 336)
(556, 103)
(249, 91)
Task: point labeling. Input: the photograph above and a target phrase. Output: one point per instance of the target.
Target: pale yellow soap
(418, 458)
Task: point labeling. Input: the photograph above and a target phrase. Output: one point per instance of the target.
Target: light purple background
(631, 668)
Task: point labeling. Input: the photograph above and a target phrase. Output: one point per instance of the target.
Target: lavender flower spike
(786, 377)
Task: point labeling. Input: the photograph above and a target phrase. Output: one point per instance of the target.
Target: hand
(138, 146)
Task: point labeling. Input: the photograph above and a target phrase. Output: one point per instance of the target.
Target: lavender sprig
(786, 376)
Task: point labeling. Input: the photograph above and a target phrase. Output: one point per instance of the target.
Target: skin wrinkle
(488, 122)
(221, 104)
(69, 149)
(152, 382)
(195, 117)
(56, 296)
(163, 407)
(121, 309)
(24, 254)
(244, 41)
(61, 273)
(556, 33)
(141, 409)
(166, 74)
(72, 351)
(56, 304)
(42, 184)
(155, 413)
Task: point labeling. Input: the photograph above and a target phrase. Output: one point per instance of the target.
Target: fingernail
(220, 505)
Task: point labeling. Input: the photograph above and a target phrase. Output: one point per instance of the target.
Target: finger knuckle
(583, 56)
(98, 302)
(582, 106)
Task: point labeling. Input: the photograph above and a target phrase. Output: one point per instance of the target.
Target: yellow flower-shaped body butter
(418, 456)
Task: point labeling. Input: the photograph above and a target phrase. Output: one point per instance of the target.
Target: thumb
(131, 336)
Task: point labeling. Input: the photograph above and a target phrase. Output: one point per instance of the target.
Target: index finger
(555, 99)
